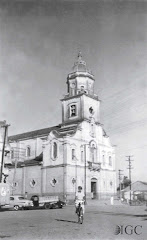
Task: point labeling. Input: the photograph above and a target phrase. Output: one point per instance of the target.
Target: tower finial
(79, 56)
(80, 65)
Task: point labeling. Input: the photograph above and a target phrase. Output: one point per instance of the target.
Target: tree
(126, 182)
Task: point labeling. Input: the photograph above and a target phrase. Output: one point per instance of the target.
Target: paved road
(99, 223)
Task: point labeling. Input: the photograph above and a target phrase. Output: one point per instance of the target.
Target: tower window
(91, 110)
(82, 88)
(28, 151)
(73, 110)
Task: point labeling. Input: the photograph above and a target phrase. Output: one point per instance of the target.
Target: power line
(140, 147)
(122, 104)
(124, 89)
(119, 109)
(127, 126)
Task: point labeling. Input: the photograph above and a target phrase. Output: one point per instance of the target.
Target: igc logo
(129, 229)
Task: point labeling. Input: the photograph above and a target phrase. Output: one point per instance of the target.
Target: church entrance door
(93, 189)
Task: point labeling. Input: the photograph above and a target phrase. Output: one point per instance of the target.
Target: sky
(39, 43)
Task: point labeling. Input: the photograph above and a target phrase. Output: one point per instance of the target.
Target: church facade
(77, 152)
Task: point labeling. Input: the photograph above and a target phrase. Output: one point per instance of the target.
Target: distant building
(138, 191)
(6, 153)
(56, 160)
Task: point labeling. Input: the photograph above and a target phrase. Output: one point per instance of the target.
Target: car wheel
(16, 207)
(47, 206)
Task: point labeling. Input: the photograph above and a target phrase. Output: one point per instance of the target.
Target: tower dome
(80, 69)
(80, 65)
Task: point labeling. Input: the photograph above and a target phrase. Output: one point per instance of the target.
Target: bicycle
(80, 213)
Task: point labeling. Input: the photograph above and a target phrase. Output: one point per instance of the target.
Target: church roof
(32, 134)
(60, 131)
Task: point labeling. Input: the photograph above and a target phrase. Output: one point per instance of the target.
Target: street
(100, 222)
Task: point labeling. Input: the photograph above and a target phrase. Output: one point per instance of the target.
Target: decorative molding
(94, 166)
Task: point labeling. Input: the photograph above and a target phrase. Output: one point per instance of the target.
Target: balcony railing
(80, 92)
(93, 166)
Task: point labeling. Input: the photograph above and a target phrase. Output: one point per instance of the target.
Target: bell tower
(80, 103)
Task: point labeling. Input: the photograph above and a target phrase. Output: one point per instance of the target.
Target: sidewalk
(118, 207)
(104, 206)
(96, 202)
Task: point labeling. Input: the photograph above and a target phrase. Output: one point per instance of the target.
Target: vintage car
(47, 202)
(19, 202)
(58, 204)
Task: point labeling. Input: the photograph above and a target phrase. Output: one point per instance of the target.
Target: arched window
(54, 150)
(110, 161)
(111, 184)
(82, 156)
(93, 152)
(28, 151)
(73, 154)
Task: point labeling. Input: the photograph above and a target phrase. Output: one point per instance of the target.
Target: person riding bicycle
(79, 199)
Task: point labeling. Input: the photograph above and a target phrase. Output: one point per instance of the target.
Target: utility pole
(119, 177)
(15, 167)
(129, 167)
(5, 126)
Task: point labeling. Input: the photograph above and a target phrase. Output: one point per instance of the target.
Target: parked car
(58, 204)
(47, 202)
(19, 202)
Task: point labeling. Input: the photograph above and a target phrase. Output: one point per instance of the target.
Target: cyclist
(79, 199)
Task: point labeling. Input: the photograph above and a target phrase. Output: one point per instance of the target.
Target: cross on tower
(79, 56)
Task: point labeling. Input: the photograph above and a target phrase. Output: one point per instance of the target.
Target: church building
(77, 152)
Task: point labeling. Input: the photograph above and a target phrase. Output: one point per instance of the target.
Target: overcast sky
(39, 43)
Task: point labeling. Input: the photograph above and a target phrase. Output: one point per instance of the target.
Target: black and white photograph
(73, 119)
